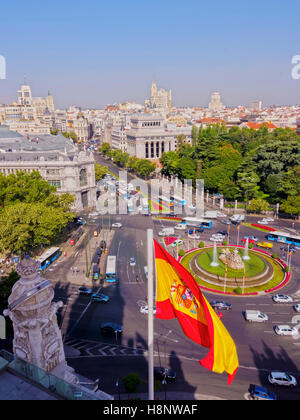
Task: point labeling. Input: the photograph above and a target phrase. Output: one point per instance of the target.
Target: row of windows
(154, 149)
(55, 183)
(151, 124)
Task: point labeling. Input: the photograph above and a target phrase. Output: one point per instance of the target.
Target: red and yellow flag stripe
(179, 296)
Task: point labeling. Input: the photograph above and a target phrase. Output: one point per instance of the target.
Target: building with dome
(56, 158)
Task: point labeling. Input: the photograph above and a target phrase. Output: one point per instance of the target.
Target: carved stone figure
(37, 337)
(232, 259)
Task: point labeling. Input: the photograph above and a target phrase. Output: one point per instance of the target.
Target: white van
(256, 316)
(166, 232)
(237, 218)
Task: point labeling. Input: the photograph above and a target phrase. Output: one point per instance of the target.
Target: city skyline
(94, 54)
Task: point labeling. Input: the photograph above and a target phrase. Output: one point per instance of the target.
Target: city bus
(195, 222)
(110, 274)
(48, 257)
(286, 238)
(76, 236)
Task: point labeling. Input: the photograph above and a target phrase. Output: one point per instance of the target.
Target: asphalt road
(110, 358)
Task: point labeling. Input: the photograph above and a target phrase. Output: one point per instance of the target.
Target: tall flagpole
(150, 315)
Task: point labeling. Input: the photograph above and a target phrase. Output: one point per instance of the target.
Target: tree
(144, 168)
(258, 205)
(291, 205)
(105, 149)
(100, 171)
(131, 382)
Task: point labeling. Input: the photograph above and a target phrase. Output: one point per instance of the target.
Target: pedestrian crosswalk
(96, 349)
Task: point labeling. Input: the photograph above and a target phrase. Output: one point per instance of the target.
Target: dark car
(98, 251)
(260, 393)
(217, 304)
(84, 291)
(111, 328)
(223, 232)
(161, 373)
(96, 259)
(99, 297)
(103, 244)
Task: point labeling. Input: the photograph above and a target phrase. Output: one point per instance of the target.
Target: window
(82, 177)
(55, 183)
(147, 150)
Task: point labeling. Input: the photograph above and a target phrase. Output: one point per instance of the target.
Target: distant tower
(50, 103)
(24, 94)
(160, 98)
(37, 338)
(215, 104)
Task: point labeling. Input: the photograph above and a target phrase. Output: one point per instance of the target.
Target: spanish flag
(179, 296)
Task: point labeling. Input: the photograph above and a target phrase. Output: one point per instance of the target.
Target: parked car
(84, 291)
(265, 244)
(222, 232)
(116, 225)
(282, 299)
(282, 379)
(261, 393)
(286, 330)
(111, 328)
(218, 304)
(226, 222)
(99, 297)
(161, 373)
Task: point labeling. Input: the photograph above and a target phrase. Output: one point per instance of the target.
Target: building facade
(148, 137)
(160, 98)
(58, 161)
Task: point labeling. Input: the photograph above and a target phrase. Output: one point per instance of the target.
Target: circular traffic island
(234, 270)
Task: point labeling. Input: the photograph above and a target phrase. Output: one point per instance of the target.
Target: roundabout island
(235, 270)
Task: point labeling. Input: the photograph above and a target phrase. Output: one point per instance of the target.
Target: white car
(265, 221)
(180, 227)
(144, 310)
(219, 214)
(282, 299)
(116, 225)
(193, 236)
(132, 262)
(176, 243)
(282, 379)
(269, 219)
(286, 330)
(297, 307)
(216, 239)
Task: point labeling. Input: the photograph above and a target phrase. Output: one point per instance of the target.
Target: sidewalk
(171, 396)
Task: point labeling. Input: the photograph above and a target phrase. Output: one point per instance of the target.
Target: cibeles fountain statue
(232, 259)
(37, 337)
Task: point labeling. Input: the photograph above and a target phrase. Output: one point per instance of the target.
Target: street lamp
(164, 383)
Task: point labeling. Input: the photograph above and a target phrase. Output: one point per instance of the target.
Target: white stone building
(148, 137)
(56, 158)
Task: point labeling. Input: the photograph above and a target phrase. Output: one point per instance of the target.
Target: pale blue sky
(94, 52)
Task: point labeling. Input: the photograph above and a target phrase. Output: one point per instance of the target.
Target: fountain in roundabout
(230, 268)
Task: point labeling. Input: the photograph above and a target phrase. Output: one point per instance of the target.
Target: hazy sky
(95, 52)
